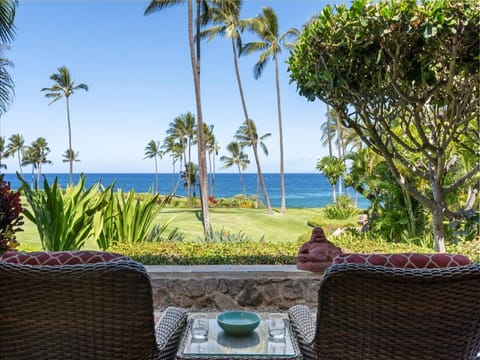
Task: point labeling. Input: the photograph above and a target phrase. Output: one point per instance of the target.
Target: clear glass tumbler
(199, 326)
(276, 326)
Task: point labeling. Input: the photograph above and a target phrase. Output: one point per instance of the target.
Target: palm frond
(7, 16)
(212, 32)
(255, 46)
(158, 5)
(81, 86)
(260, 65)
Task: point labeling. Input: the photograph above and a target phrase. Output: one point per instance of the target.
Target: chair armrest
(168, 331)
(303, 326)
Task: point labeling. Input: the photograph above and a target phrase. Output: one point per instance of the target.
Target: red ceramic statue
(317, 253)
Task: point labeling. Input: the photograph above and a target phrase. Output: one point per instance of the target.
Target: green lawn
(254, 222)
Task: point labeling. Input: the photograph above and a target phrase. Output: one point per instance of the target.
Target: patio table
(221, 346)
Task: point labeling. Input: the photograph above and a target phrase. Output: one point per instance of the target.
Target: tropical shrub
(128, 219)
(342, 209)
(64, 218)
(224, 236)
(213, 253)
(11, 218)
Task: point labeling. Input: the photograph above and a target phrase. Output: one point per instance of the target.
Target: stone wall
(222, 287)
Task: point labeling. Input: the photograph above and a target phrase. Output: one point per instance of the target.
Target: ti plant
(127, 220)
(64, 218)
(11, 219)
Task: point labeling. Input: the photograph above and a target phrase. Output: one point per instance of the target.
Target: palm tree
(175, 149)
(28, 158)
(63, 87)
(333, 168)
(247, 135)
(183, 128)
(16, 145)
(212, 148)
(226, 15)
(269, 46)
(2, 153)
(239, 158)
(328, 131)
(39, 153)
(158, 5)
(70, 154)
(7, 32)
(152, 150)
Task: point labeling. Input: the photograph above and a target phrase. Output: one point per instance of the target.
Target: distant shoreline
(303, 190)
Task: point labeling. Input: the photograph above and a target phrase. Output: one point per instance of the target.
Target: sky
(139, 76)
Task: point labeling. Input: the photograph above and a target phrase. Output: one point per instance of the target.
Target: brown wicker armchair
(375, 312)
(85, 311)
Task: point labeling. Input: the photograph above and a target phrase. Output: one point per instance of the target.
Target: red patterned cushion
(405, 260)
(60, 257)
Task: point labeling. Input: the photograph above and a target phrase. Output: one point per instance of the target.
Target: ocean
(306, 190)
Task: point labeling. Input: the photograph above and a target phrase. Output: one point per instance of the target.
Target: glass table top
(221, 345)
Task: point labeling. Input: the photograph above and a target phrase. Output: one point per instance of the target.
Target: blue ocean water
(301, 190)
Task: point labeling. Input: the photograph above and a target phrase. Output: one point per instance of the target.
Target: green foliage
(64, 218)
(127, 219)
(157, 233)
(251, 252)
(405, 76)
(211, 253)
(224, 236)
(336, 211)
(332, 167)
(11, 218)
(466, 228)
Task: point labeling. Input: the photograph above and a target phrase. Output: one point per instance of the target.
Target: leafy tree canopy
(405, 76)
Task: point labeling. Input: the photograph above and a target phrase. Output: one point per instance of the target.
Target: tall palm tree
(28, 158)
(70, 154)
(158, 5)
(16, 145)
(247, 135)
(40, 150)
(328, 131)
(239, 158)
(212, 148)
(152, 150)
(2, 153)
(225, 15)
(7, 32)
(269, 46)
(183, 128)
(175, 149)
(63, 87)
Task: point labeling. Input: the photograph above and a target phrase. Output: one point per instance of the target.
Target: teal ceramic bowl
(238, 322)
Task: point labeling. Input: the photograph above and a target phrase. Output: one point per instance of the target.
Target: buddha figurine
(317, 253)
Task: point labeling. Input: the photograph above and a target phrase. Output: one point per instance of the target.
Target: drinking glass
(276, 326)
(199, 327)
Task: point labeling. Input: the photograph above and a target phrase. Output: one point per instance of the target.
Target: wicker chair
(375, 312)
(85, 311)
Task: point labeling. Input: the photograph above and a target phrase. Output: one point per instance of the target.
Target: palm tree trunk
(173, 176)
(340, 154)
(39, 172)
(179, 176)
(283, 207)
(329, 134)
(187, 167)
(213, 173)
(156, 176)
(254, 144)
(202, 161)
(70, 152)
(19, 162)
(242, 183)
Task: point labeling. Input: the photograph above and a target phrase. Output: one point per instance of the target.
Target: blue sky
(139, 76)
